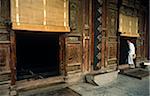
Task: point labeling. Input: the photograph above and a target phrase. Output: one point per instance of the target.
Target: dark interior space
(123, 51)
(37, 55)
(124, 48)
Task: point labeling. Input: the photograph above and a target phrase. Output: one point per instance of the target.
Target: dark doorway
(37, 55)
(124, 48)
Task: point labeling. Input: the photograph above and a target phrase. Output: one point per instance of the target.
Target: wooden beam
(44, 28)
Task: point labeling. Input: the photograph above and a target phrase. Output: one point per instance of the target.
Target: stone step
(123, 66)
(101, 79)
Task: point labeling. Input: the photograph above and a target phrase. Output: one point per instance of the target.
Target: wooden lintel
(42, 28)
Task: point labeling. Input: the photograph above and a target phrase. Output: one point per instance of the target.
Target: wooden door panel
(73, 54)
(73, 57)
(5, 62)
(4, 58)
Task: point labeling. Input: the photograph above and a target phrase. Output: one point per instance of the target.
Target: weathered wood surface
(86, 35)
(73, 41)
(5, 73)
(4, 90)
(27, 85)
(137, 8)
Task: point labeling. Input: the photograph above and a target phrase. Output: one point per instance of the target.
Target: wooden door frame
(13, 58)
(86, 34)
(62, 63)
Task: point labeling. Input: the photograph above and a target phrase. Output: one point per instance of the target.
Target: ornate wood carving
(86, 56)
(112, 22)
(74, 11)
(4, 37)
(4, 12)
(112, 35)
(73, 68)
(4, 58)
(73, 43)
(98, 33)
(112, 50)
(73, 55)
(140, 40)
(86, 18)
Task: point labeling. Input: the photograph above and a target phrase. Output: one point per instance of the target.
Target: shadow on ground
(61, 92)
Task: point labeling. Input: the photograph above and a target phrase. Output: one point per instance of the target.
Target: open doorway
(124, 48)
(37, 55)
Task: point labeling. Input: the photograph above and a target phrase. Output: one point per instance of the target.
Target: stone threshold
(101, 79)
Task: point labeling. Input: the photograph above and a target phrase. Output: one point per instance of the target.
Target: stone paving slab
(123, 86)
(61, 92)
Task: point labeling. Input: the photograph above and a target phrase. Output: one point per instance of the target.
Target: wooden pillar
(105, 33)
(91, 55)
(118, 34)
(92, 34)
(62, 66)
(13, 56)
(85, 35)
(147, 50)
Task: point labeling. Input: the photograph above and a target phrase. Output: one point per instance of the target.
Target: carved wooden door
(4, 56)
(73, 40)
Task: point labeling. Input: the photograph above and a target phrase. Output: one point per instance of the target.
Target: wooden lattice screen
(128, 26)
(40, 15)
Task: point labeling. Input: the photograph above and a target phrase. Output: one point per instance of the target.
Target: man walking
(131, 54)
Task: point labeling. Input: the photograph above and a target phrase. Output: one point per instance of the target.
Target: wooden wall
(73, 41)
(77, 52)
(111, 35)
(78, 41)
(5, 60)
(139, 9)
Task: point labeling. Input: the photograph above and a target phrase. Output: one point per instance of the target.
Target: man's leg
(130, 61)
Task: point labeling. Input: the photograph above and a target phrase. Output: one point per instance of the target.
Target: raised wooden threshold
(24, 85)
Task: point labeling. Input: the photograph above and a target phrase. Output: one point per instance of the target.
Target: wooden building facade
(67, 39)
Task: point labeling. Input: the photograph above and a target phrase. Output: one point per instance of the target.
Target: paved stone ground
(61, 92)
(123, 86)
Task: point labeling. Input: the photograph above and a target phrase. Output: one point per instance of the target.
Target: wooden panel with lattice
(40, 15)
